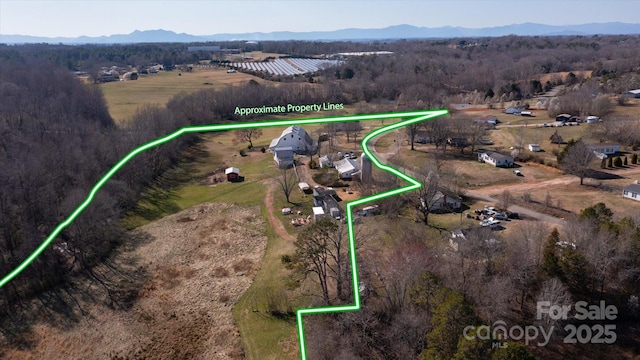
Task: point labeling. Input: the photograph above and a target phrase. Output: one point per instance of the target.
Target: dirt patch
(200, 262)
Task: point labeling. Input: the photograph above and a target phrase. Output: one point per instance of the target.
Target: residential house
(444, 201)
(495, 159)
(633, 93)
(632, 192)
(603, 150)
(293, 140)
(563, 117)
(347, 168)
(513, 110)
(458, 142)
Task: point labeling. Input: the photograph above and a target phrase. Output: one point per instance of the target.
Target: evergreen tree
(617, 162)
(550, 260)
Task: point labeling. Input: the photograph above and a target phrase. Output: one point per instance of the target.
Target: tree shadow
(115, 283)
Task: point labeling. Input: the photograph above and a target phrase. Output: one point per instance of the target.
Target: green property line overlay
(414, 117)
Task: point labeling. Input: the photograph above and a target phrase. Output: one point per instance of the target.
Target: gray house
(632, 192)
(495, 159)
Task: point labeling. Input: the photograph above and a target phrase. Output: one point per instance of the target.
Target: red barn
(233, 174)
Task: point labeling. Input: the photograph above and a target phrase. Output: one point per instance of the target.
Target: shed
(318, 213)
(534, 147)
(233, 174)
(304, 187)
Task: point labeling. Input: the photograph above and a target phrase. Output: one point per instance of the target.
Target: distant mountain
(388, 33)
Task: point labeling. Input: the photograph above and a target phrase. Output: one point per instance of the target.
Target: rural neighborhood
(396, 191)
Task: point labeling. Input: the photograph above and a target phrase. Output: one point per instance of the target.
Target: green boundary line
(416, 116)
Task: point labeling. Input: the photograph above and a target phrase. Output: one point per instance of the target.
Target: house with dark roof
(327, 199)
(495, 159)
(632, 192)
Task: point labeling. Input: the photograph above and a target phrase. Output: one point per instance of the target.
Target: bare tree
(504, 200)
(577, 160)
(287, 182)
(322, 249)
(247, 135)
(427, 199)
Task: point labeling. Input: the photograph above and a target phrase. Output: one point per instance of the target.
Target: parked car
(513, 215)
(500, 216)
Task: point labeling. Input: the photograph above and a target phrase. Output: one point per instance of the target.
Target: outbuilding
(534, 147)
(233, 174)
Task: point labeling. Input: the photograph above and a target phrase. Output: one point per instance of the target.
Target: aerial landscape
(237, 180)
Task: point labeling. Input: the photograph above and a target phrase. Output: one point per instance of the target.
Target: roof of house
(440, 194)
(497, 156)
(603, 145)
(346, 165)
(635, 188)
(232, 170)
(635, 92)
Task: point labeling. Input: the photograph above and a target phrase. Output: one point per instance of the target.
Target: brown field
(199, 262)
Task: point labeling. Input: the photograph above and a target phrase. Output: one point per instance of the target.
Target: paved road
(478, 194)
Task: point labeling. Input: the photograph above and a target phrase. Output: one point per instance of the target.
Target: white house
(293, 140)
(495, 159)
(634, 93)
(534, 147)
(347, 167)
(602, 150)
(632, 192)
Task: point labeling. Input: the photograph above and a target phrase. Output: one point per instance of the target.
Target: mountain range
(388, 33)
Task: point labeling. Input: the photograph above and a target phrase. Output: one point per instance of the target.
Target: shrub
(625, 162)
(634, 159)
(617, 162)
(243, 152)
(263, 150)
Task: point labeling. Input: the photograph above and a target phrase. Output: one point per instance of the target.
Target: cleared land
(125, 97)
(200, 261)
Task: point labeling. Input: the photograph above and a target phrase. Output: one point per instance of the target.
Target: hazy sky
(96, 18)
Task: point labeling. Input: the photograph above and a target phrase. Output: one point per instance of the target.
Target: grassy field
(125, 97)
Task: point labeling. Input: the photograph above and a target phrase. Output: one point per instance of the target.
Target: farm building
(233, 174)
(495, 159)
(293, 140)
(534, 147)
(130, 76)
(632, 192)
(633, 93)
(325, 161)
(318, 213)
(347, 168)
(283, 157)
(327, 199)
(513, 110)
